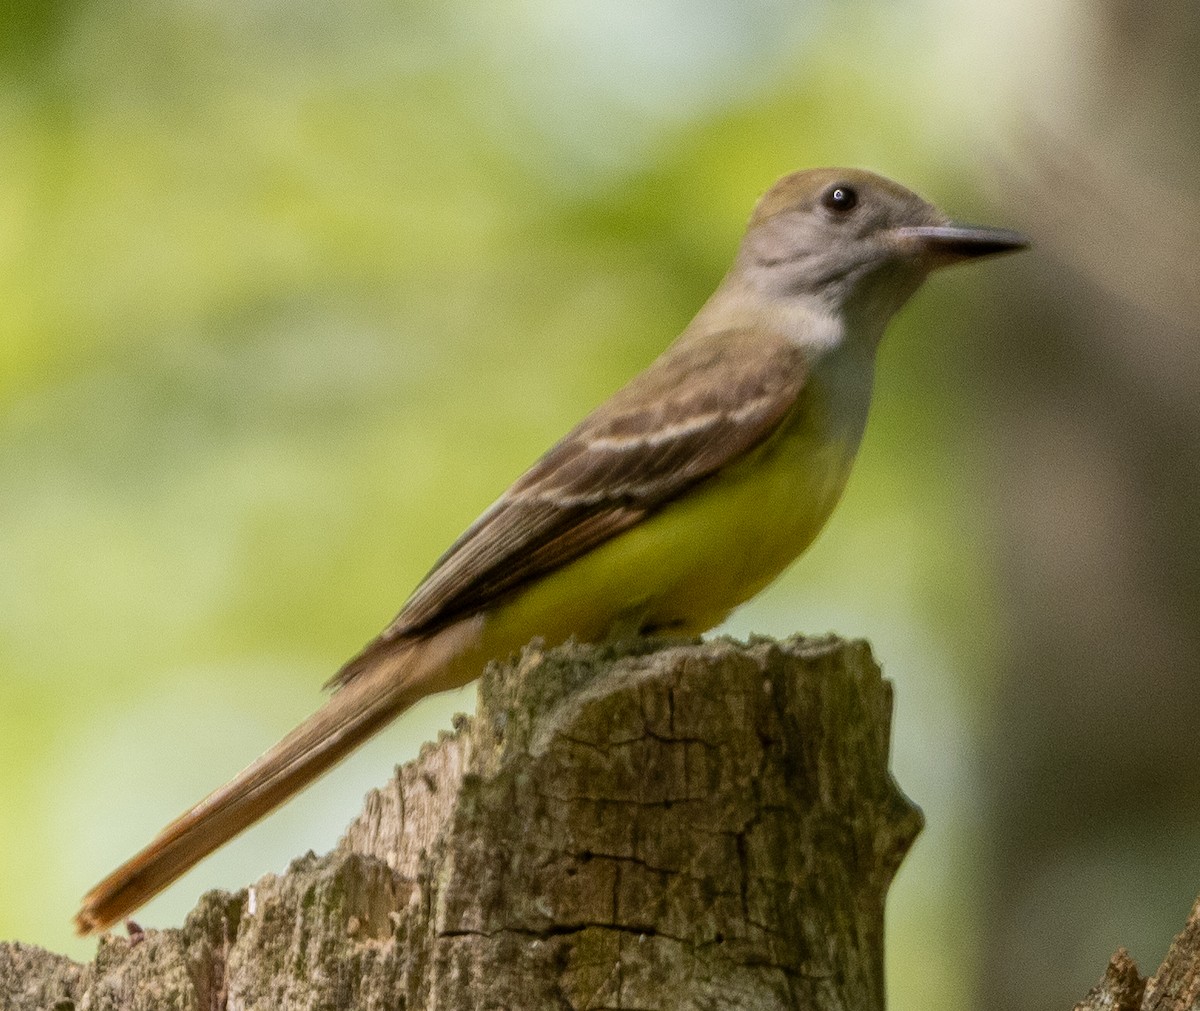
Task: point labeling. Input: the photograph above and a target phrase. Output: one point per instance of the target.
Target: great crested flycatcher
(680, 497)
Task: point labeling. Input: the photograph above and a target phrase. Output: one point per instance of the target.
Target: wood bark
(653, 825)
(1174, 987)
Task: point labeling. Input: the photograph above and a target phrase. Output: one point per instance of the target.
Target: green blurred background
(290, 291)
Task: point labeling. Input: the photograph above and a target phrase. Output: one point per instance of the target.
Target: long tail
(364, 705)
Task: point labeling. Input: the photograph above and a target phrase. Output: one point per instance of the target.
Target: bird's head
(855, 241)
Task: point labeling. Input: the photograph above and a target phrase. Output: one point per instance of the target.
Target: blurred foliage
(289, 292)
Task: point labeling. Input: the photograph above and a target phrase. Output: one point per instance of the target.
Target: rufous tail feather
(362, 706)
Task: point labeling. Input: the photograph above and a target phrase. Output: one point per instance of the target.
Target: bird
(680, 497)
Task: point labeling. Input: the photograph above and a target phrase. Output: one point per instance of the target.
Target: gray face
(839, 239)
(854, 241)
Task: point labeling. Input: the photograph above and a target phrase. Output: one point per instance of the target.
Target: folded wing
(705, 403)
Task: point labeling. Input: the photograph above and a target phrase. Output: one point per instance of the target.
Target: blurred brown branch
(1133, 234)
(1091, 386)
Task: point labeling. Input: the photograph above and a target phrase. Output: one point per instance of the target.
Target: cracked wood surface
(654, 825)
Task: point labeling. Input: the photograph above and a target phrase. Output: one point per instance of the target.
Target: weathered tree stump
(652, 825)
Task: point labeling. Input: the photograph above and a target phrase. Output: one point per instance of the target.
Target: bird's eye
(840, 198)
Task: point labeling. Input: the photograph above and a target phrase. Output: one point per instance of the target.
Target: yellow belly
(690, 563)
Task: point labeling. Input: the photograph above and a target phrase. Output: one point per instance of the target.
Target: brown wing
(704, 403)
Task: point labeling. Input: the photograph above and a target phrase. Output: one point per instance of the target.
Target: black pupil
(840, 198)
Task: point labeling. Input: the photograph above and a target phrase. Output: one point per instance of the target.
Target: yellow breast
(685, 567)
